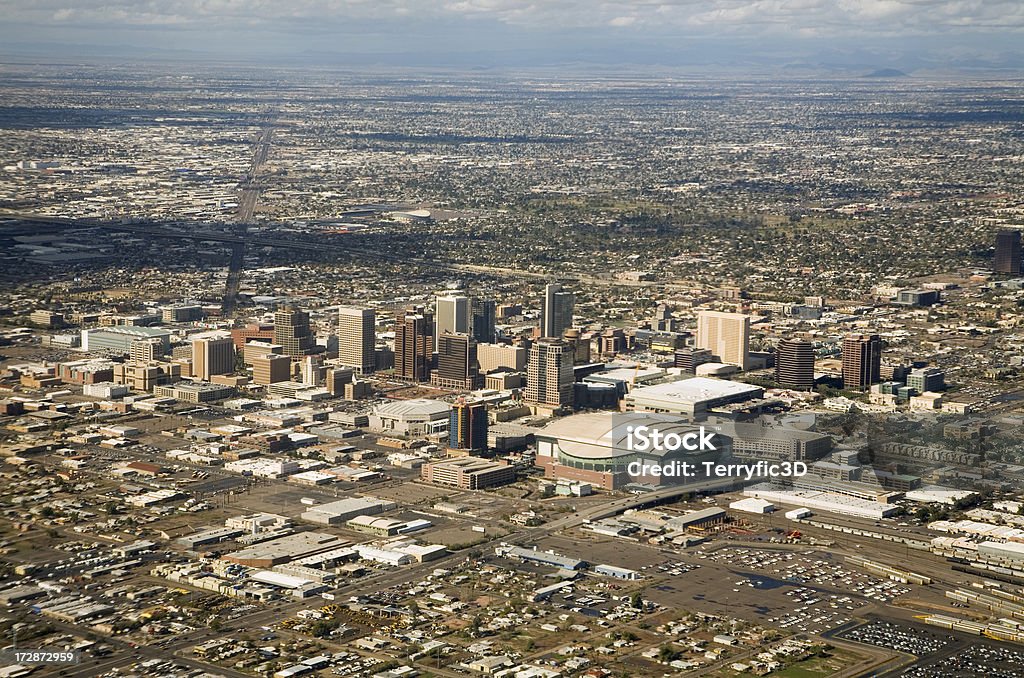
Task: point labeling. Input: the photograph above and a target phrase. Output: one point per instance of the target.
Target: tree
(667, 655)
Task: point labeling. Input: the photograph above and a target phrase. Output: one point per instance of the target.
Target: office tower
(452, 316)
(357, 338)
(663, 320)
(336, 379)
(212, 354)
(927, 379)
(549, 374)
(257, 349)
(794, 364)
(687, 359)
(484, 314)
(726, 335)
(495, 357)
(414, 346)
(556, 311)
(467, 427)
(862, 360)
(312, 371)
(291, 330)
(146, 350)
(181, 313)
(1008, 253)
(271, 368)
(457, 365)
(578, 344)
(611, 342)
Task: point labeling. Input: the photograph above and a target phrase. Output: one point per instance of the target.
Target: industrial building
(285, 549)
(829, 502)
(549, 558)
(338, 512)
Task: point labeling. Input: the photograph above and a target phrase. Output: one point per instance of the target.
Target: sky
(911, 35)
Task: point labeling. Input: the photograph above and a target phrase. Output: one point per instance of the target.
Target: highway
(247, 200)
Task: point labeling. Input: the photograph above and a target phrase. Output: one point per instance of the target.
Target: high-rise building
(726, 335)
(146, 350)
(1008, 253)
(256, 349)
(452, 315)
(578, 344)
(457, 365)
(467, 426)
(312, 371)
(549, 374)
(794, 364)
(271, 368)
(357, 338)
(862, 360)
(483, 321)
(556, 311)
(291, 330)
(212, 354)
(336, 379)
(414, 346)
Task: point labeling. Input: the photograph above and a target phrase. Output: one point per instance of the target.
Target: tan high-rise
(271, 368)
(549, 374)
(357, 338)
(211, 355)
(726, 335)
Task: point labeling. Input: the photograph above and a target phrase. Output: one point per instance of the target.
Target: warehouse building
(285, 549)
(338, 512)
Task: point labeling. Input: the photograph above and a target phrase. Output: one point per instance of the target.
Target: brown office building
(291, 331)
(212, 355)
(271, 369)
(243, 335)
(687, 359)
(457, 366)
(862, 361)
(1008, 253)
(794, 364)
(414, 346)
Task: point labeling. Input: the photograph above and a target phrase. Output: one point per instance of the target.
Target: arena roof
(419, 407)
(600, 435)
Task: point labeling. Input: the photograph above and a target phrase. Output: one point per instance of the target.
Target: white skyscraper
(556, 311)
(453, 316)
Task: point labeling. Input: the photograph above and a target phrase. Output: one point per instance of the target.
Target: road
(247, 200)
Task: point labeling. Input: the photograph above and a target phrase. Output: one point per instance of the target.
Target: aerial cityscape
(376, 369)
